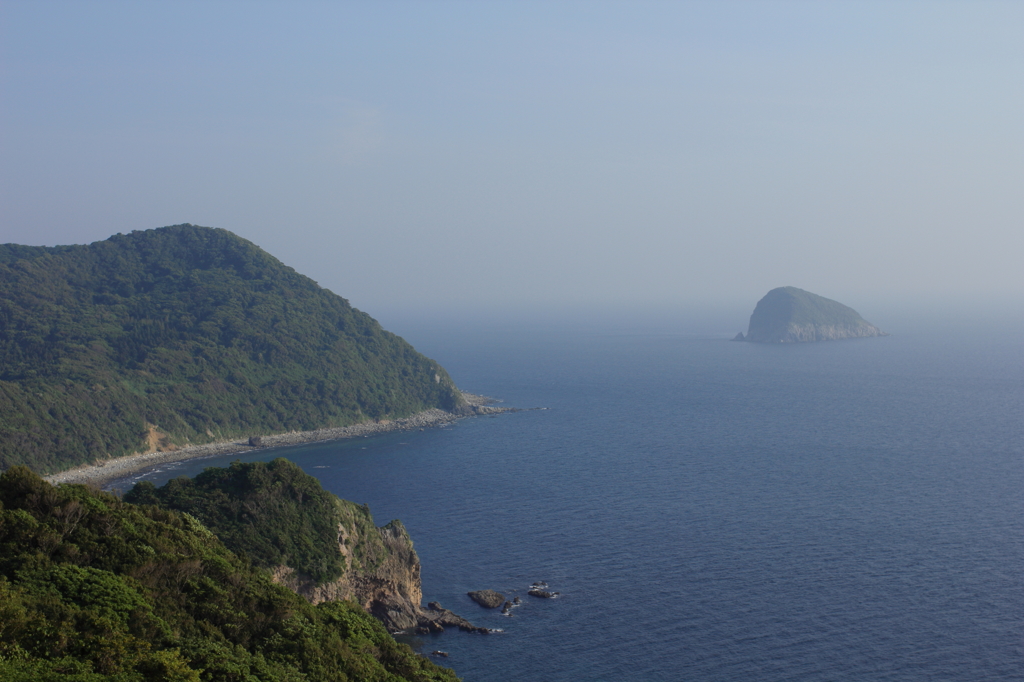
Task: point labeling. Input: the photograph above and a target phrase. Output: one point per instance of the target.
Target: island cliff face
(791, 315)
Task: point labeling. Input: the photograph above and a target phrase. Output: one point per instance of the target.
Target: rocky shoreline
(102, 474)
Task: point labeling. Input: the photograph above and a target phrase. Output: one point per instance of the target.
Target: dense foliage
(274, 513)
(93, 589)
(186, 334)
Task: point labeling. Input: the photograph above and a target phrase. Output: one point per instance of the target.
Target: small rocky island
(791, 315)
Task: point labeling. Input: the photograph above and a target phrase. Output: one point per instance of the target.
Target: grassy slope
(190, 329)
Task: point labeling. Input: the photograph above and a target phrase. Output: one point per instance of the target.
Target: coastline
(100, 475)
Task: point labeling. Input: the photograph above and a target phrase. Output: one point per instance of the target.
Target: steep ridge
(791, 315)
(322, 547)
(185, 335)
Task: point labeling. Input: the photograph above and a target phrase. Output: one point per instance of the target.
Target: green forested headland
(274, 513)
(95, 589)
(185, 335)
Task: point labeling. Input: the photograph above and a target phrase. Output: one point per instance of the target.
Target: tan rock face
(382, 574)
(393, 591)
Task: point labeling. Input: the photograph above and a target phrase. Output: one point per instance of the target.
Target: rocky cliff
(322, 547)
(382, 572)
(383, 576)
(791, 315)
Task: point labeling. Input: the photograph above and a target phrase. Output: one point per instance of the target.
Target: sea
(710, 510)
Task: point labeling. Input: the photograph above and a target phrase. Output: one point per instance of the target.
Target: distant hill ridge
(791, 315)
(185, 335)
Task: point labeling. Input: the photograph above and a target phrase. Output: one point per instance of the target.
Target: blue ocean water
(712, 510)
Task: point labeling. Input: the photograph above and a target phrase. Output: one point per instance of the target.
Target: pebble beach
(103, 473)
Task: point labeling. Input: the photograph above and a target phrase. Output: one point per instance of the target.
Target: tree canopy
(95, 589)
(274, 513)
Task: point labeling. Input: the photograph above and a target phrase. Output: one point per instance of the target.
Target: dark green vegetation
(183, 335)
(788, 314)
(321, 547)
(94, 588)
(274, 513)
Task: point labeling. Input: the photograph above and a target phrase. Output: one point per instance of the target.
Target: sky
(500, 157)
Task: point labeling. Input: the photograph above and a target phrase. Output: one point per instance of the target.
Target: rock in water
(436, 615)
(791, 315)
(487, 598)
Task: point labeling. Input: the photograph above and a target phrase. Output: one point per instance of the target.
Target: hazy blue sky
(441, 155)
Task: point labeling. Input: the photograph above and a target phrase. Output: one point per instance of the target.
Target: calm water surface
(712, 510)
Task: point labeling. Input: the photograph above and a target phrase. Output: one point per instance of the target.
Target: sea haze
(712, 510)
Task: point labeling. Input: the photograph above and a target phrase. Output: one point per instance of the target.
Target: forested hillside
(273, 512)
(322, 547)
(182, 335)
(94, 589)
